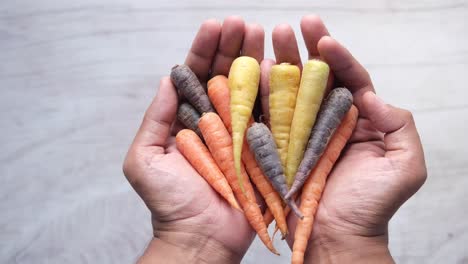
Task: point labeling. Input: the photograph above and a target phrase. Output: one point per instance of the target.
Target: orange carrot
(193, 149)
(313, 188)
(219, 143)
(219, 94)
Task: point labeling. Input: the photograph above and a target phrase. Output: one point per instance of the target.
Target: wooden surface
(76, 77)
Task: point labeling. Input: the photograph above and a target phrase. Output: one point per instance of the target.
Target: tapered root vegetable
(271, 197)
(193, 149)
(219, 143)
(309, 97)
(329, 118)
(190, 88)
(244, 77)
(284, 83)
(261, 143)
(315, 184)
(218, 92)
(189, 117)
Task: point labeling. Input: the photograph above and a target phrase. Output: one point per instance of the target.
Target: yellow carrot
(244, 77)
(309, 97)
(284, 83)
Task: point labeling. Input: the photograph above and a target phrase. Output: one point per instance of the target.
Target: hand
(382, 166)
(191, 223)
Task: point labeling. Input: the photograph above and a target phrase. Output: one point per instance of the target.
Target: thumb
(402, 142)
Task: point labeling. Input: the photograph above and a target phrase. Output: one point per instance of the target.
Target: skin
(380, 169)
(189, 223)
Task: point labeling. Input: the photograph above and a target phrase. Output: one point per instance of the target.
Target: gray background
(76, 77)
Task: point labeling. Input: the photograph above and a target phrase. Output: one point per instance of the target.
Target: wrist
(349, 249)
(191, 250)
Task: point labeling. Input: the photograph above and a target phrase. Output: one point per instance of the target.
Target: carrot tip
(275, 252)
(296, 210)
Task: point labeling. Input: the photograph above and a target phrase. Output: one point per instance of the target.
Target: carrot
(219, 143)
(218, 92)
(261, 143)
(189, 117)
(272, 199)
(244, 78)
(189, 87)
(329, 118)
(313, 188)
(193, 149)
(284, 83)
(309, 97)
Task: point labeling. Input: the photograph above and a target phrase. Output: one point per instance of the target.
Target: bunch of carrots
(288, 158)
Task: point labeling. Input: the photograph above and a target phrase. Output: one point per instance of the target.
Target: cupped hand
(186, 213)
(382, 165)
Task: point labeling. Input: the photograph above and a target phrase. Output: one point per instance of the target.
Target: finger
(159, 117)
(401, 137)
(232, 34)
(313, 30)
(254, 42)
(285, 45)
(204, 46)
(345, 68)
(265, 68)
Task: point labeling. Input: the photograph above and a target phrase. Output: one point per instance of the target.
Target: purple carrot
(332, 111)
(262, 144)
(189, 87)
(189, 117)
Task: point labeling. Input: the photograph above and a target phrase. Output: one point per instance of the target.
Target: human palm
(183, 206)
(383, 163)
(382, 166)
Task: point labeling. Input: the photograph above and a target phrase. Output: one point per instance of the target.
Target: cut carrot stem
(315, 184)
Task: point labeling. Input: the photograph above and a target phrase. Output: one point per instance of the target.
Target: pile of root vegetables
(287, 160)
